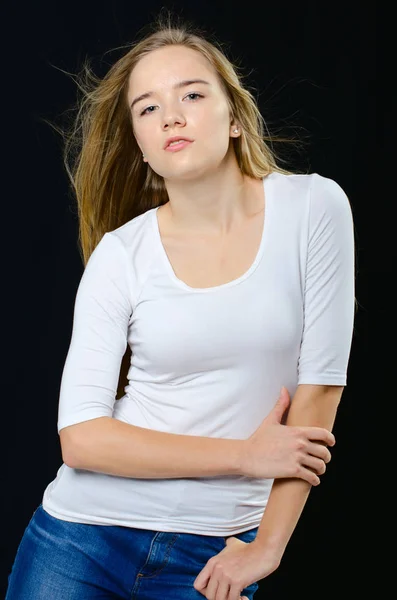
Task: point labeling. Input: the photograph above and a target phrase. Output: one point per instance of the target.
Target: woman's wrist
(271, 550)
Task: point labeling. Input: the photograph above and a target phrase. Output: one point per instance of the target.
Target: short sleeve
(329, 298)
(102, 312)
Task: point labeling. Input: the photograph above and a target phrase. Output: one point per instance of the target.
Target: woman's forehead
(171, 64)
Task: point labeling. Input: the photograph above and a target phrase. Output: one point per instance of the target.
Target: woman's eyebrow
(177, 85)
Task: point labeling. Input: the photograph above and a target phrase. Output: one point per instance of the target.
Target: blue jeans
(63, 560)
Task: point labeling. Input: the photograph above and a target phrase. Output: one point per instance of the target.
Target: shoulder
(131, 233)
(327, 188)
(306, 183)
(315, 191)
(136, 249)
(329, 202)
(119, 246)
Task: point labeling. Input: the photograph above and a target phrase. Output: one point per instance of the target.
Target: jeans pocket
(245, 536)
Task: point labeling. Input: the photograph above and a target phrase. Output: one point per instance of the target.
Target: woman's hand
(275, 450)
(239, 565)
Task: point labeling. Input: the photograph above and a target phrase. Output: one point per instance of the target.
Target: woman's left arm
(241, 564)
(328, 284)
(312, 405)
(329, 305)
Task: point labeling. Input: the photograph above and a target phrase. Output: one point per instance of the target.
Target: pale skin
(213, 204)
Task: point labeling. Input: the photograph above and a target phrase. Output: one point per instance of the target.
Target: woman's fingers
(320, 451)
(307, 475)
(319, 434)
(315, 464)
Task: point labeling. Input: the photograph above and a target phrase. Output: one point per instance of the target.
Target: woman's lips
(175, 147)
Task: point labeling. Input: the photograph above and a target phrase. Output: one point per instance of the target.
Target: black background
(313, 66)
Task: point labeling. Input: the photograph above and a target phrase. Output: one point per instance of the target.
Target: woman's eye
(195, 94)
(144, 111)
(191, 94)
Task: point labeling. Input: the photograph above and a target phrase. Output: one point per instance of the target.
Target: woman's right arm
(92, 439)
(107, 445)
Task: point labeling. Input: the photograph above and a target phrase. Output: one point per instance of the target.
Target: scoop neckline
(267, 203)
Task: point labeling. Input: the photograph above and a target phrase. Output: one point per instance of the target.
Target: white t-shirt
(205, 361)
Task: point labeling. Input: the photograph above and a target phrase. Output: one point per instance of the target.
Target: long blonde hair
(103, 161)
(109, 179)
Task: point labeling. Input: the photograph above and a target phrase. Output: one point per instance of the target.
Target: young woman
(227, 278)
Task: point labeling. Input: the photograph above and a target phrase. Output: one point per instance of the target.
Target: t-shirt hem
(322, 379)
(74, 421)
(149, 525)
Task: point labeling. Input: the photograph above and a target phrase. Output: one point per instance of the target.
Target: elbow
(69, 460)
(78, 439)
(68, 447)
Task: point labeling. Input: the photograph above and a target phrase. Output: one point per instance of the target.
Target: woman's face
(198, 111)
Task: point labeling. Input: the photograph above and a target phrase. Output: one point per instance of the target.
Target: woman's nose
(173, 118)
